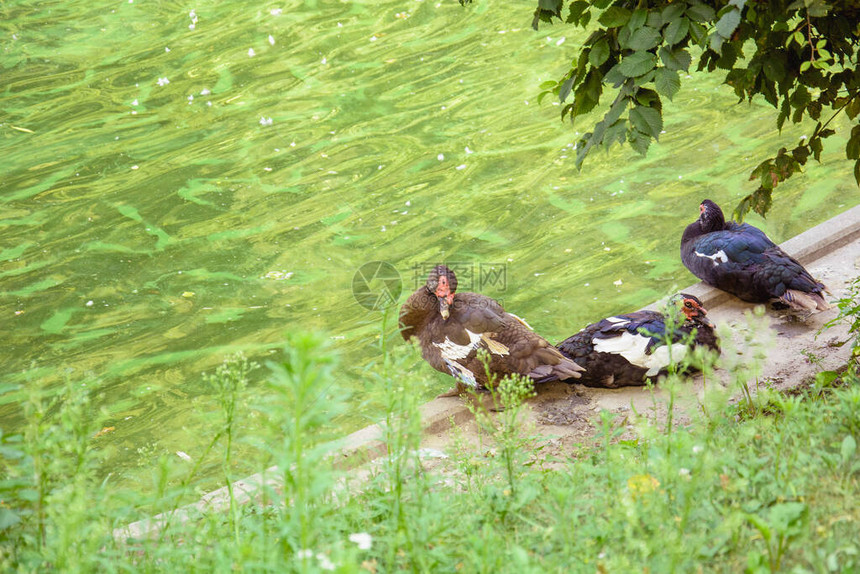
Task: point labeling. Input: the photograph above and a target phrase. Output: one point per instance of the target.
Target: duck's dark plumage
(450, 343)
(625, 350)
(741, 259)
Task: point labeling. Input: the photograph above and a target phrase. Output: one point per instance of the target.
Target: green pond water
(180, 181)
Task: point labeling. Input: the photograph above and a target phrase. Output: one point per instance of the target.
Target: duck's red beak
(446, 298)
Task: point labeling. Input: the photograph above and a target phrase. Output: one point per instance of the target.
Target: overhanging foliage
(799, 55)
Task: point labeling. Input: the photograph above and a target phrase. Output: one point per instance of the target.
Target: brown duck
(451, 327)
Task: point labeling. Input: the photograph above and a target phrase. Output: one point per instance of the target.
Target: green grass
(769, 484)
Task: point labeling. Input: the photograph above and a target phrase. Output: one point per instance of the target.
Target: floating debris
(278, 275)
(104, 431)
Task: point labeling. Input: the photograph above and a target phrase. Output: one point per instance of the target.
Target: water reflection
(149, 228)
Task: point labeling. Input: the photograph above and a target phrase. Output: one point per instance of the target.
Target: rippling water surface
(179, 181)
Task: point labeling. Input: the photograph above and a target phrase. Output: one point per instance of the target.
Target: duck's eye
(688, 305)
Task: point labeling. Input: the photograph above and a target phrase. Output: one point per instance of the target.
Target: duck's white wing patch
(718, 257)
(632, 347)
(460, 372)
(451, 351)
(620, 321)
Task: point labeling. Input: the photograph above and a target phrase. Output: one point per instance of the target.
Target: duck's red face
(446, 297)
(693, 309)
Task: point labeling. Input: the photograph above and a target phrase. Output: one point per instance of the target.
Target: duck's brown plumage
(477, 322)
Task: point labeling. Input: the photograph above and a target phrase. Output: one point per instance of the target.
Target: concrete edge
(366, 445)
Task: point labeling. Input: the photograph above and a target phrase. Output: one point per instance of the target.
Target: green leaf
(805, 65)
(852, 148)
(728, 23)
(8, 518)
(678, 59)
(699, 12)
(667, 82)
(564, 90)
(599, 53)
(637, 19)
(637, 63)
(848, 448)
(853, 107)
(617, 132)
(614, 16)
(774, 68)
(647, 120)
(644, 38)
(676, 31)
(673, 11)
(857, 171)
(639, 141)
(553, 6)
(761, 526)
(578, 13)
(654, 20)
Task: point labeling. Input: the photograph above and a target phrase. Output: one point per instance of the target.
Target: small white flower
(205, 92)
(163, 81)
(275, 11)
(362, 539)
(271, 40)
(251, 52)
(304, 553)
(166, 49)
(183, 455)
(264, 121)
(618, 283)
(685, 472)
(697, 449)
(440, 157)
(134, 103)
(325, 563)
(89, 303)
